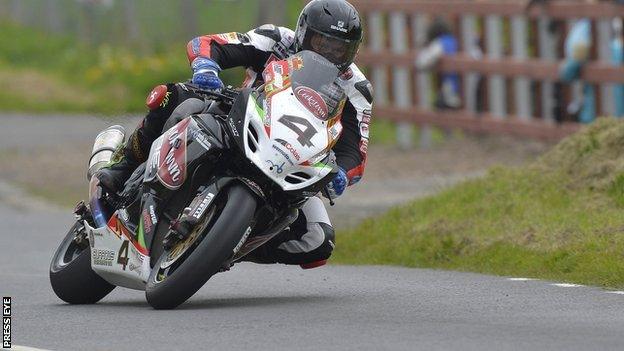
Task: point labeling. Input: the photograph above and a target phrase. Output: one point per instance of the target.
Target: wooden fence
(520, 64)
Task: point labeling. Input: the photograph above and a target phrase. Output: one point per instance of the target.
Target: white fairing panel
(108, 253)
(288, 143)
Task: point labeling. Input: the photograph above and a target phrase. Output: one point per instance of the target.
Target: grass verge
(560, 218)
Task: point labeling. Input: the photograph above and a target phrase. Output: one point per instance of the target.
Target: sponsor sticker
(283, 153)
(340, 27)
(199, 212)
(152, 214)
(202, 139)
(102, 257)
(147, 221)
(234, 130)
(172, 159)
(279, 169)
(242, 241)
(296, 63)
(136, 255)
(312, 101)
(290, 148)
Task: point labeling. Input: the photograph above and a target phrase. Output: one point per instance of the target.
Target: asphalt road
(285, 308)
(32, 132)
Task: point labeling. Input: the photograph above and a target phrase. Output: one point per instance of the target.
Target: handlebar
(227, 94)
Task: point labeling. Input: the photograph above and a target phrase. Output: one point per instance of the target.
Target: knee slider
(329, 243)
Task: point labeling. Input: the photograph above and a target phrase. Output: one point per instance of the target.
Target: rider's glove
(206, 74)
(337, 186)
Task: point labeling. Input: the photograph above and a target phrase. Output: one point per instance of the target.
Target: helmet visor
(340, 52)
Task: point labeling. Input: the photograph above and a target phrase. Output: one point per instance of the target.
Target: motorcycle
(216, 186)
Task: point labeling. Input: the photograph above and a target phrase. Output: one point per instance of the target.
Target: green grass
(72, 77)
(114, 74)
(115, 79)
(560, 218)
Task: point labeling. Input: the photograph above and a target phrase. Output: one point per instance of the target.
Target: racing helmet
(331, 28)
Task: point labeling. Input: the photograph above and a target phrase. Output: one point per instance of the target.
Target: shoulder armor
(366, 89)
(269, 31)
(354, 81)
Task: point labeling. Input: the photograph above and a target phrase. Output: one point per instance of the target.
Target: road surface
(257, 307)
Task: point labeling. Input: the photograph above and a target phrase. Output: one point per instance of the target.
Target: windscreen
(313, 80)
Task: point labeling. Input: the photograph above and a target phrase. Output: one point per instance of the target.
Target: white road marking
(561, 285)
(26, 348)
(564, 285)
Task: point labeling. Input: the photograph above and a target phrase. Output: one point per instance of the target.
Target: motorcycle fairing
(171, 160)
(290, 155)
(116, 256)
(173, 153)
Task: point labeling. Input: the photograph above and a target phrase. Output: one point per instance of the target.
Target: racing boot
(124, 161)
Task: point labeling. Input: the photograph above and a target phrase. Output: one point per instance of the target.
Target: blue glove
(206, 74)
(339, 184)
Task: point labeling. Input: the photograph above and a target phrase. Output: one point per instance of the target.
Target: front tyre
(167, 288)
(71, 276)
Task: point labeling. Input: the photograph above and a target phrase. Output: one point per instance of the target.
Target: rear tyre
(168, 288)
(71, 276)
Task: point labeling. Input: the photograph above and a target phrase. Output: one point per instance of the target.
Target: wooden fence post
(547, 52)
(400, 77)
(522, 88)
(576, 85)
(377, 43)
(497, 91)
(423, 80)
(604, 54)
(469, 38)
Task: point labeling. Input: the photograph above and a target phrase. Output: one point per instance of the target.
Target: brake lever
(328, 196)
(227, 93)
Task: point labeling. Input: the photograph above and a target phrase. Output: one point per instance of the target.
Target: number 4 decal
(305, 135)
(123, 254)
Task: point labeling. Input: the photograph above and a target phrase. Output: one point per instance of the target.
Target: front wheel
(210, 245)
(71, 276)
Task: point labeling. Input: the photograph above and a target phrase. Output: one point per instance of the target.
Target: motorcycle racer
(333, 29)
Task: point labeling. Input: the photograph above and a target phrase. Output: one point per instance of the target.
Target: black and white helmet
(331, 28)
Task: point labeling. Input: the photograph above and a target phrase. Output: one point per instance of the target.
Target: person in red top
(333, 29)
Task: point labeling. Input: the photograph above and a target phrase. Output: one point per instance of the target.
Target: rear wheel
(182, 271)
(71, 276)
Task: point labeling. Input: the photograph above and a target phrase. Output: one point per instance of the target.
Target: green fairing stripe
(258, 108)
(141, 234)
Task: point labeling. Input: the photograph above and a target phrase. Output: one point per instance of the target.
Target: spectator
(617, 59)
(577, 48)
(441, 42)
